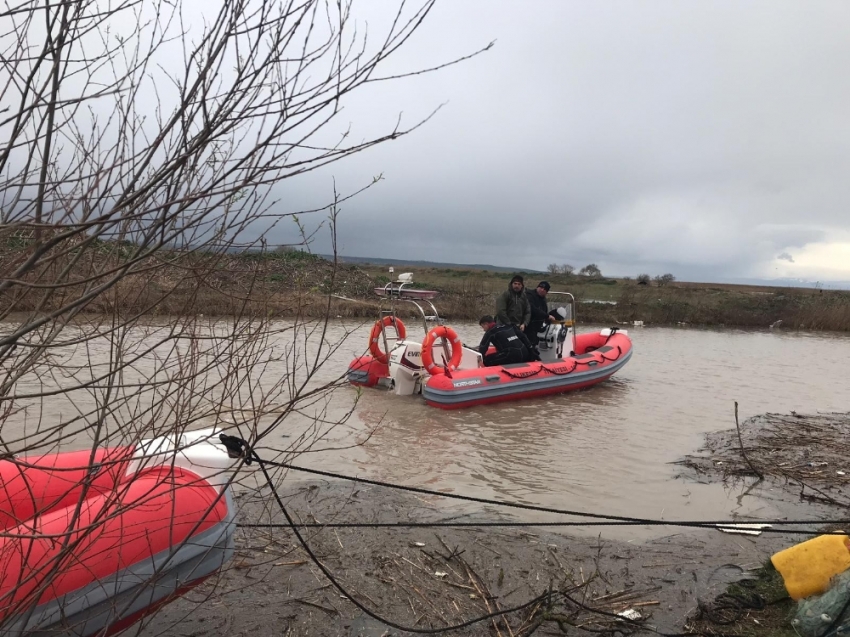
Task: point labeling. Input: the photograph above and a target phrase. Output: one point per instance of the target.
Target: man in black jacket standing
(511, 344)
(539, 311)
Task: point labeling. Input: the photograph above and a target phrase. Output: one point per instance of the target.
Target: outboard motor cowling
(554, 335)
(406, 368)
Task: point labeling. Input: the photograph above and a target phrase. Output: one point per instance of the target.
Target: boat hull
(99, 554)
(365, 371)
(599, 357)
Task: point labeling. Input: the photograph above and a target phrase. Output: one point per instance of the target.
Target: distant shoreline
(289, 283)
(400, 264)
(467, 294)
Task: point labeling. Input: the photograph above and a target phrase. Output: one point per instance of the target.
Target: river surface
(604, 450)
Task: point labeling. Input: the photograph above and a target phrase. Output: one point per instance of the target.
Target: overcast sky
(706, 139)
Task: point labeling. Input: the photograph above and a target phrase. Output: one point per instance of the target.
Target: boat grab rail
(415, 303)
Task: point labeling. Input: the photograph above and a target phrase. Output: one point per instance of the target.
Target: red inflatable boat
(90, 544)
(598, 356)
(450, 375)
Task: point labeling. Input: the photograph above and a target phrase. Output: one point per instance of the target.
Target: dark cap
(545, 285)
(518, 278)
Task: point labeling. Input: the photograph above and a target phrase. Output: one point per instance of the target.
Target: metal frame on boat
(396, 292)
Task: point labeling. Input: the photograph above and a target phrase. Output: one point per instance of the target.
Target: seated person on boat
(512, 346)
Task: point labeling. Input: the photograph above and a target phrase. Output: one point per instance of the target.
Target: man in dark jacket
(539, 311)
(511, 344)
(512, 305)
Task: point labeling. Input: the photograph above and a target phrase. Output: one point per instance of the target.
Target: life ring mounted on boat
(375, 336)
(447, 333)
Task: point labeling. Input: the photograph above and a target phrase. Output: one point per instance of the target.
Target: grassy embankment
(469, 293)
(286, 283)
(171, 282)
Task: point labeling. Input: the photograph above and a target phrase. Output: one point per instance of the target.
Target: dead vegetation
(434, 578)
(284, 282)
(427, 578)
(805, 453)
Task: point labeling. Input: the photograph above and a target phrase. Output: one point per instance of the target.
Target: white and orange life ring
(375, 336)
(451, 336)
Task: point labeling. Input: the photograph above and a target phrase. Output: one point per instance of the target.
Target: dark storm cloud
(697, 138)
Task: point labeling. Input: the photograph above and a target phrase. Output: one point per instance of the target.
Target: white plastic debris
(631, 613)
(440, 574)
(743, 529)
(419, 544)
(841, 473)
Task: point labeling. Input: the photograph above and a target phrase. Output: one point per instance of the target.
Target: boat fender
(441, 331)
(375, 336)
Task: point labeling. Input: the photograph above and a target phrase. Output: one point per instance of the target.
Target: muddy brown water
(604, 450)
(607, 449)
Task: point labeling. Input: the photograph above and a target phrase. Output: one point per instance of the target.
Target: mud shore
(439, 577)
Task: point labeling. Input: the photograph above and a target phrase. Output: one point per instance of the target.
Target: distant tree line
(660, 280)
(590, 270)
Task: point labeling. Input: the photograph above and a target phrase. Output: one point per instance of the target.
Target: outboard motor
(554, 335)
(406, 370)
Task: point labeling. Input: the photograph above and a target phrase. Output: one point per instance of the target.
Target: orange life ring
(450, 335)
(375, 336)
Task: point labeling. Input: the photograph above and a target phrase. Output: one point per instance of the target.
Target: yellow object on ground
(808, 567)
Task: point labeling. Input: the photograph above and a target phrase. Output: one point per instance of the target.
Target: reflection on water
(606, 449)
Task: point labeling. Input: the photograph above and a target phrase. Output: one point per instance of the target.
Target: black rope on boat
(606, 358)
(602, 358)
(589, 362)
(562, 370)
(614, 330)
(526, 374)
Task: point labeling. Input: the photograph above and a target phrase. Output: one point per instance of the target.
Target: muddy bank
(806, 455)
(799, 456)
(438, 577)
